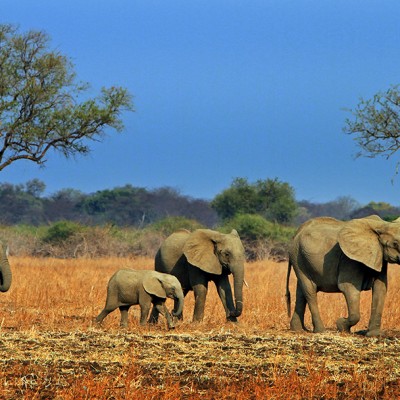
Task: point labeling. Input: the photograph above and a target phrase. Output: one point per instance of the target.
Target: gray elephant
(5, 270)
(198, 257)
(129, 287)
(334, 256)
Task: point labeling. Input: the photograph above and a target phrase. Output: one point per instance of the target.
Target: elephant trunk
(238, 280)
(178, 306)
(5, 270)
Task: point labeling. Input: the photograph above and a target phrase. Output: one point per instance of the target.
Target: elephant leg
(200, 293)
(309, 289)
(379, 290)
(102, 315)
(199, 283)
(144, 312)
(124, 316)
(310, 293)
(350, 281)
(297, 321)
(225, 294)
(154, 315)
(352, 295)
(162, 309)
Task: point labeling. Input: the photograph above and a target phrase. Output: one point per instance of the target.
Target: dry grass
(49, 347)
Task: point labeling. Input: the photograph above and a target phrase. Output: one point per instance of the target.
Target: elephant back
(170, 259)
(170, 251)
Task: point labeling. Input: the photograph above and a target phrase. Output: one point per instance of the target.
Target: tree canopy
(40, 108)
(272, 199)
(376, 124)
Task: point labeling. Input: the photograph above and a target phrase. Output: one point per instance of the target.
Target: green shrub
(61, 231)
(169, 225)
(253, 227)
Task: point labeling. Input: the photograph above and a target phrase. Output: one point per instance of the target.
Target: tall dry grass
(51, 298)
(68, 294)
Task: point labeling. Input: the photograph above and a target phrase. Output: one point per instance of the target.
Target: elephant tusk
(244, 281)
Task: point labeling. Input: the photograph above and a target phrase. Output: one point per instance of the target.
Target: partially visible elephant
(5, 270)
(199, 257)
(129, 287)
(332, 256)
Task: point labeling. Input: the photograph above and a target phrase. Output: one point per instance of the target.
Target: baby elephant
(128, 287)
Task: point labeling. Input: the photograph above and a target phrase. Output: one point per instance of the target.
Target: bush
(255, 227)
(170, 225)
(61, 232)
(261, 238)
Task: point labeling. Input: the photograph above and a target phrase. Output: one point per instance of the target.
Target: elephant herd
(326, 255)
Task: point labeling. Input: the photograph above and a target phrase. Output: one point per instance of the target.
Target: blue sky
(224, 89)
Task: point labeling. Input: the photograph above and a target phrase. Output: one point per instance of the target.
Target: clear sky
(224, 89)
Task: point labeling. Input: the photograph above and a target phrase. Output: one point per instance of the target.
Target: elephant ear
(360, 242)
(153, 286)
(199, 249)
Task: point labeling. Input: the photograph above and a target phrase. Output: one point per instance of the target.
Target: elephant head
(216, 252)
(370, 241)
(5, 270)
(163, 286)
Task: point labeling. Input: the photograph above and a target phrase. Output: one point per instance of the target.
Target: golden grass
(50, 348)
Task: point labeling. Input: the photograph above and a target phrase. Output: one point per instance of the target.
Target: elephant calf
(129, 287)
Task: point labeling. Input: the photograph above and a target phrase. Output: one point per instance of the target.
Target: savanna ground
(50, 348)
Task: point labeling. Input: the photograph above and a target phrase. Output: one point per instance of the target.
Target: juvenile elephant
(129, 287)
(199, 257)
(334, 256)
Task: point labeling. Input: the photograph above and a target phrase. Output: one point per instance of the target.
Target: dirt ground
(45, 362)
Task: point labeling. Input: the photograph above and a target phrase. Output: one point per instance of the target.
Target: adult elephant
(5, 270)
(332, 256)
(205, 255)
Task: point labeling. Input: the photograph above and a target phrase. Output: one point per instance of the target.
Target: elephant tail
(288, 300)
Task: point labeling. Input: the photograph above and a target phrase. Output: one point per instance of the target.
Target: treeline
(131, 221)
(138, 207)
(121, 206)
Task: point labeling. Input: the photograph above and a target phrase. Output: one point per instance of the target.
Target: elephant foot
(374, 333)
(342, 325)
(231, 319)
(296, 325)
(319, 330)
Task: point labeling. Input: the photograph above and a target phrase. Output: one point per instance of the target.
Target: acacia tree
(376, 124)
(39, 101)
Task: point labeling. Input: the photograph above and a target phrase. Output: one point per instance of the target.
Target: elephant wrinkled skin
(129, 287)
(199, 257)
(332, 256)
